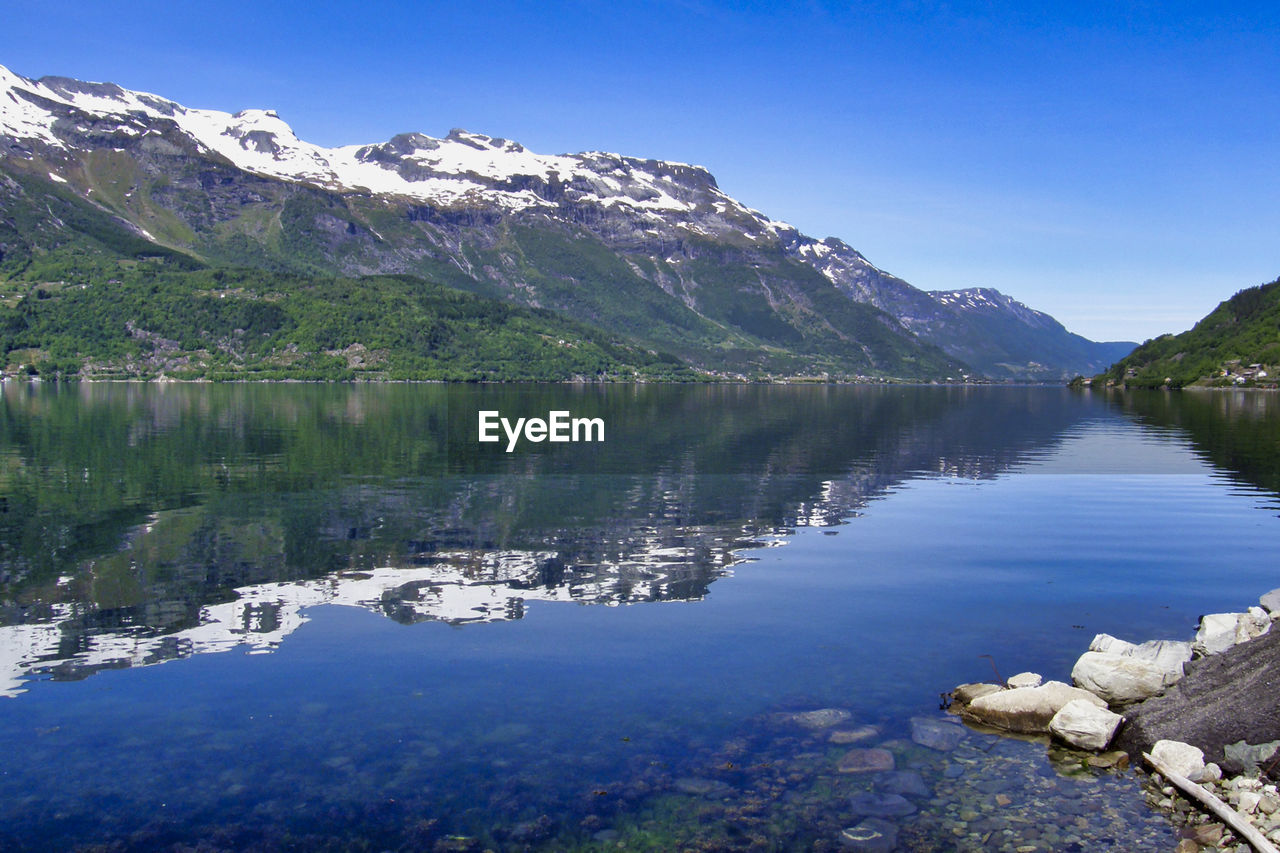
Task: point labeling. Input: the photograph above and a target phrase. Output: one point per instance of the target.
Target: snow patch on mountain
(972, 298)
(846, 268)
(987, 299)
(21, 115)
(462, 168)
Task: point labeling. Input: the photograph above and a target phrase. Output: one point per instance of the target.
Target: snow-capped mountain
(649, 250)
(987, 300)
(462, 168)
(1015, 338)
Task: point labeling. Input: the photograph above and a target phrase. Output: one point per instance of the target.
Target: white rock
(1025, 679)
(966, 693)
(1027, 709)
(1182, 758)
(1255, 623)
(1249, 802)
(1084, 725)
(1116, 678)
(1168, 655)
(1108, 643)
(1271, 602)
(1217, 632)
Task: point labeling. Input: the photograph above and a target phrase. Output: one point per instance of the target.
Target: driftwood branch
(1228, 815)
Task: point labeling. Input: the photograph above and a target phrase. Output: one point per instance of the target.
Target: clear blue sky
(1115, 164)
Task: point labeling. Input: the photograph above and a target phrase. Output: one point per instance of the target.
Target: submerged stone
(872, 804)
(873, 835)
(532, 831)
(943, 735)
(865, 761)
(857, 735)
(699, 786)
(1209, 834)
(1116, 758)
(823, 718)
(508, 733)
(909, 783)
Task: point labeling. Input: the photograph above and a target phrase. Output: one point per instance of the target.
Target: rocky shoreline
(1206, 710)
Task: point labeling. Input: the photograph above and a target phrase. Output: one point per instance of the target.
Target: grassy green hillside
(141, 319)
(1222, 349)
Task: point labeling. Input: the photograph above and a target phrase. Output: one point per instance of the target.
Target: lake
(297, 617)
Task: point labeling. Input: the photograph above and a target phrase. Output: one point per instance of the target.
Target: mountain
(1006, 338)
(996, 335)
(651, 252)
(1238, 343)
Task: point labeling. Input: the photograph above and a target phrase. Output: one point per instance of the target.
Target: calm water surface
(378, 634)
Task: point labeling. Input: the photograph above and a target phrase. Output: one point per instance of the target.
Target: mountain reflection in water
(146, 523)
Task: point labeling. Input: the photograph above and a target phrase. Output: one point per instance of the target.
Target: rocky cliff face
(646, 249)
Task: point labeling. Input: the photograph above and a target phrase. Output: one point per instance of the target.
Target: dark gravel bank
(1223, 698)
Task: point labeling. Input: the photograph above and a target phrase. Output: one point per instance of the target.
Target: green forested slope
(1221, 349)
(142, 319)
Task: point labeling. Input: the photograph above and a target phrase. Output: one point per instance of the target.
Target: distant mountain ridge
(1014, 340)
(650, 251)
